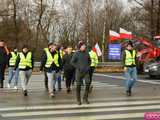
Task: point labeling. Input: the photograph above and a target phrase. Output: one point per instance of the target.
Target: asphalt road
(108, 101)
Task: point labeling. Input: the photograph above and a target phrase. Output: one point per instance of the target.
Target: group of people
(76, 65)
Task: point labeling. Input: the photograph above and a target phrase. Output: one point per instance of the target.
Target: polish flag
(114, 35)
(125, 34)
(97, 50)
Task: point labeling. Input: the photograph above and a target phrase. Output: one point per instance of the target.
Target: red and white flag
(97, 50)
(114, 35)
(125, 34)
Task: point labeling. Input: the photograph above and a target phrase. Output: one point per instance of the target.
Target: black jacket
(3, 56)
(67, 66)
(81, 61)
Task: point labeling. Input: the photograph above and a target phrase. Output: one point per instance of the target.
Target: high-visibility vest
(62, 53)
(94, 58)
(25, 61)
(130, 58)
(13, 59)
(50, 59)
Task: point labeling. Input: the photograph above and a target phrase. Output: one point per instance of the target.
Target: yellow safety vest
(62, 53)
(94, 58)
(50, 59)
(130, 58)
(13, 59)
(25, 61)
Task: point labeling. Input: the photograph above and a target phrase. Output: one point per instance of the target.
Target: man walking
(25, 63)
(68, 68)
(94, 62)
(50, 64)
(3, 61)
(81, 61)
(130, 70)
(11, 65)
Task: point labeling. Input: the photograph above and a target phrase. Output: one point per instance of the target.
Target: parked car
(152, 68)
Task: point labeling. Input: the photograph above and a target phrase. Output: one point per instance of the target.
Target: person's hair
(15, 47)
(25, 46)
(49, 44)
(69, 47)
(130, 43)
(2, 40)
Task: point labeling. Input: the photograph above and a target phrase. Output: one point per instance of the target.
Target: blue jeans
(57, 80)
(51, 79)
(131, 77)
(13, 73)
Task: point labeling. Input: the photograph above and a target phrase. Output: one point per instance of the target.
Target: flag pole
(103, 42)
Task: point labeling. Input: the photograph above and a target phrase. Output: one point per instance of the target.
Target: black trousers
(46, 80)
(2, 71)
(79, 78)
(68, 74)
(91, 71)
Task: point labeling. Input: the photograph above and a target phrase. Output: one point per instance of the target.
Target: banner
(114, 52)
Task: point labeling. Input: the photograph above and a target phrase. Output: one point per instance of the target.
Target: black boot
(25, 93)
(79, 103)
(85, 100)
(128, 92)
(68, 90)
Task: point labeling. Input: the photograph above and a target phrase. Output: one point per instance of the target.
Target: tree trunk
(15, 22)
(151, 19)
(158, 19)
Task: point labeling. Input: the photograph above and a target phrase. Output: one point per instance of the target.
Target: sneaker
(15, 87)
(52, 95)
(8, 85)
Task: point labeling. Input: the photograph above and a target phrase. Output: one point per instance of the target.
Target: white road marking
(34, 113)
(103, 103)
(97, 117)
(122, 78)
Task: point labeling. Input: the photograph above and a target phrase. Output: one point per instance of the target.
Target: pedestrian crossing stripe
(102, 102)
(72, 108)
(98, 117)
(96, 85)
(93, 110)
(99, 109)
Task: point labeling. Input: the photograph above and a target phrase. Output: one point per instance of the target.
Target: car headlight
(154, 67)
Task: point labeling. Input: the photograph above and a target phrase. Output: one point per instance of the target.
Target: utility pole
(103, 41)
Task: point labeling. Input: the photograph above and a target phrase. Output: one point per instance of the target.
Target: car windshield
(157, 42)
